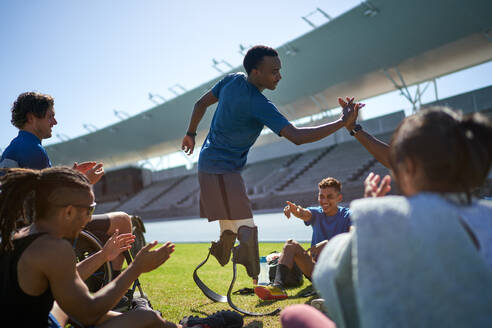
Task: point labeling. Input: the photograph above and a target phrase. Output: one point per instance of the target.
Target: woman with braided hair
(37, 264)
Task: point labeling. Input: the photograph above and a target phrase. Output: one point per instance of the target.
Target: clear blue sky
(96, 56)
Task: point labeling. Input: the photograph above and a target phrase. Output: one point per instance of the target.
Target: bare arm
(377, 148)
(301, 136)
(298, 211)
(304, 135)
(113, 247)
(208, 99)
(316, 249)
(72, 294)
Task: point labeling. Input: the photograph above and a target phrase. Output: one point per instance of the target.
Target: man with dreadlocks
(37, 264)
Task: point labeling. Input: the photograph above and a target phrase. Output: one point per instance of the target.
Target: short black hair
(30, 102)
(255, 55)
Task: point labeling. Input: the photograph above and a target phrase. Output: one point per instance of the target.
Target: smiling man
(241, 114)
(34, 115)
(328, 220)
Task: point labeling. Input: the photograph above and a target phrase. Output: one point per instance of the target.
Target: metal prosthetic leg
(246, 253)
(222, 249)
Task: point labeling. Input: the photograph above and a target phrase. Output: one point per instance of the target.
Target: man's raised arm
(377, 148)
(304, 135)
(188, 143)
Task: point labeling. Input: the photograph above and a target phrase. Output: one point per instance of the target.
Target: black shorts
(99, 226)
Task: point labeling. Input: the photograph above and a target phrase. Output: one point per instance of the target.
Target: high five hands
(350, 111)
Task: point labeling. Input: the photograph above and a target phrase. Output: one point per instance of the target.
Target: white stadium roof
(351, 55)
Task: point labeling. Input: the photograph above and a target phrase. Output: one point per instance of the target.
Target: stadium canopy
(373, 48)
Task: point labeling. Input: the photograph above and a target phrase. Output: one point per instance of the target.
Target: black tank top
(17, 307)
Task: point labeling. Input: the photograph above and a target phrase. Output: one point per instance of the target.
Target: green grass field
(172, 291)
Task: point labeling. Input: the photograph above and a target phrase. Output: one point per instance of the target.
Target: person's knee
(292, 247)
(121, 221)
(150, 318)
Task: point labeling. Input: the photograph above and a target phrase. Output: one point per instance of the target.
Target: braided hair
(19, 184)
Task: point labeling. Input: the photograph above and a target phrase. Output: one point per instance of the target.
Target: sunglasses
(90, 209)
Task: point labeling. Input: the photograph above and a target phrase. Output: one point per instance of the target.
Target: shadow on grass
(262, 303)
(254, 324)
(306, 292)
(196, 309)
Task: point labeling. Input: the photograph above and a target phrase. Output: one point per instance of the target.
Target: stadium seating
(282, 172)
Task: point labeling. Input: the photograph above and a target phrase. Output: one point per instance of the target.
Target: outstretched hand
(372, 187)
(94, 171)
(148, 259)
(292, 208)
(117, 244)
(350, 111)
(188, 144)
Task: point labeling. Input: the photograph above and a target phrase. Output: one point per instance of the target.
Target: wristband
(191, 134)
(356, 129)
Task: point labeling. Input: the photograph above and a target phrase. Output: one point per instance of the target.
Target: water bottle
(263, 277)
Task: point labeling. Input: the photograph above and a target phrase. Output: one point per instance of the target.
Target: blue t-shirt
(25, 151)
(326, 227)
(241, 114)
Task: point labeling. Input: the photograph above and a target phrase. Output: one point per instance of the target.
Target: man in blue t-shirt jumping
(241, 114)
(328, 220)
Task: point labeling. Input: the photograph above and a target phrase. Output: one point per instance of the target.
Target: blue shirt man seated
(327, 220)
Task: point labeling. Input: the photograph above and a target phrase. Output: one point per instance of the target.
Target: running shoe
(268, 293)
(221, 319)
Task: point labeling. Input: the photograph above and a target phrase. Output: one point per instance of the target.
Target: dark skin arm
(71, 293)
(377, 148)
(304, 135)
(208, 99)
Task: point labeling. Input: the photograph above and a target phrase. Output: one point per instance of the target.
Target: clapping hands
(94, 171)
(373, 187)
(148, 259)
(117, 244)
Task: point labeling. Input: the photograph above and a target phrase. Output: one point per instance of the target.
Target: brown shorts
(223, 197)
(99, 226)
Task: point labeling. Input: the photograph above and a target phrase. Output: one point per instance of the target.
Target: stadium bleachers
(141, 199)
(268, 182)
(276, 173)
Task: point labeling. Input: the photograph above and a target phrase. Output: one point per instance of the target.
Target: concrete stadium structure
(275, 172)
(373, 48)
(376, 47)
